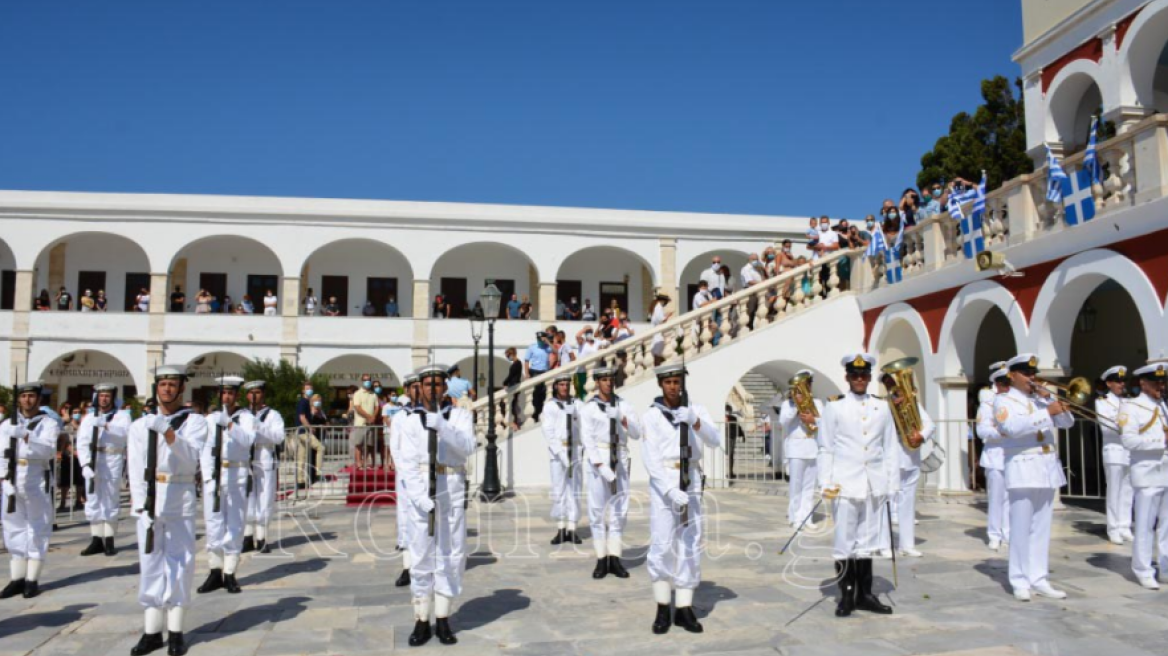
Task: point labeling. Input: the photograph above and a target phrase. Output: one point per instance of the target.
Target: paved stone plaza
(331, 593)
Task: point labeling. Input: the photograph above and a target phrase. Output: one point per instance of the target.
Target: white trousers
(403, 510)
(225, 528)
(27, 531)
(608, 512)
(675, 550)
(1151, 531)
(905, 511)
(263, 496)
(1030, 515)
(998, 511)
(102, 505)
(857, 527)
(803, 474)
(437, 563)
(1119, 498)
(167, 573)
(565, 492)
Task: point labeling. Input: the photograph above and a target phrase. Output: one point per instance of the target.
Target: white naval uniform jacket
(111, 440)
(236, 449)
(796, 442)
(596, 436)
(910, 459)
(178, 463)
(555, 428)
(1029, 441)
(269, 429)
(860, 447)
(1145, 429)
(34, 456)
(662, 448)
(1114, 453)
(992, 456)
(456, 442)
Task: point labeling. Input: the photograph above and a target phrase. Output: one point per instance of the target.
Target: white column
(420, 349)
(668, 280)
(21, 307)
(547, 301)
(953, 435)
(290, 317)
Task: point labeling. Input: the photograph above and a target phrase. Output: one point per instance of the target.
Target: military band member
(675, 520)
(860, 471)
(269, 429)
(1116, 460)
(993, 460)
(1144, 422)
(609, 421)
(565, 491)
(904, 502)
(399, 480)
(29, 437)
(105, 475)
(801, 451)
(225, 496)
(438, 560)
(1027, 417)
(167, 571)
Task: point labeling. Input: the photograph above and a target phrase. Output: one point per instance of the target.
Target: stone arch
(7, 264)
(1073, 96)
(691, 273)
(1141, 81)
(466, 366)
(70, 372)
(478, 262)
(105, 260)
(963, 320)
(242, 259)
(900, 332)
(598, 267)
(360, 259)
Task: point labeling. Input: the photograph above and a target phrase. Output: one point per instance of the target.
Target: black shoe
(31, 589)
(575, 537)
(421, 634)
(12, 589)
(108, 547)
(845, 572)
(248, 543)
(148, 643)
(231, 584)
(616, 569)
(95, 547)
(685, 618)
(559, 536)
(175, 645)
(865, 600)
(262, 547)
(442, 630)
(403, 579)
(601, 570)
(62, 508)
(214, 582)
(661, 624)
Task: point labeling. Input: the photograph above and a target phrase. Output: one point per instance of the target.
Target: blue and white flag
(893, 272)
(1091, 159)
(876, 245)
(956, 200)
(972, 237)
(1055, 176)
(1078, 202)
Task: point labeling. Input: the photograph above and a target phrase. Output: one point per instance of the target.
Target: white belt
(1031, 450)
(111, 450)
(174, 479)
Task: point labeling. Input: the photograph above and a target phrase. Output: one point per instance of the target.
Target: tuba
(907, 413)
(801, 385)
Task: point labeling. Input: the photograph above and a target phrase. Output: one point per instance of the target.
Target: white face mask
(823, 227)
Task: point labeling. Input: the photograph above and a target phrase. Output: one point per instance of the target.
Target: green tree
(993, 139)
(6, 397)
(285, 383)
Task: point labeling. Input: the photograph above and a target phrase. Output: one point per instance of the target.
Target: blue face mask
(76, 416)
(367, 384)
(308, 392)
(316, 404)
(377, 390)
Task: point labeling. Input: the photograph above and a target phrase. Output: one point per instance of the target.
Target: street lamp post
(476, 333)
(491, 489)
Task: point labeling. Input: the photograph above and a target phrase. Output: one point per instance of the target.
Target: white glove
(570, 410)
(8, 489)
(686, 415)
(607, 473)
(434, 421)
(426, 504)
(99, 420)
(678, 498)
(19, 432)
(87, 472)
(612, 412)
(562, 456)
(143, 518)
(223, 419)
(158, 424)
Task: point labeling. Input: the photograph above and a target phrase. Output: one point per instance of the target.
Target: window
(7, 289)
(378, 290)
(337, 286)
(134, 283)
(258, 287)
(615, 291)
(91, 280)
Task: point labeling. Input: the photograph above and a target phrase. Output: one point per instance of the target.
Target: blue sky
(752, 106)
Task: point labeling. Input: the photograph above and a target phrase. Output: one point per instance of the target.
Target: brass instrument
(1076, 395)
(906, 413)
(801, 386)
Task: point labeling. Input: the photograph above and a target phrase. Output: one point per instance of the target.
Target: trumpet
(801, 388)
(1076, 395)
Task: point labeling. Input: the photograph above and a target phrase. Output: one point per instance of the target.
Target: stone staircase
(761, 390)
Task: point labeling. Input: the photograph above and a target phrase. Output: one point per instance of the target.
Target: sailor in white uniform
(904, 507)
(227, 452)
(860, 470)
(1144, 425)
(675, 500)
(1027, 417)
(261, 500)
(103, 434)
(801, 451)
(162, 498)
(28, 443)
(561, 429)
(408, 406)
(438, 556)
(1116, 460)
(609, 423)
(993, 461)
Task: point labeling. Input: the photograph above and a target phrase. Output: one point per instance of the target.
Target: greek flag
(1055, 176)
(892, 270)
(956, 200)
(972, 237)
(876, 245)
(1091, 159)
(1078, 202)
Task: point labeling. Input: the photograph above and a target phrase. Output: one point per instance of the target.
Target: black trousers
(538, 395)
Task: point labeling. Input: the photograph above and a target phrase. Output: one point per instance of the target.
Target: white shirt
(701, 298)
(1145, 431)
(829, 238)
(270, 305)
(143, 302)
(750, 275)
(310, 305)
(714, 279)
(661, 448)
(175, 500)
(860, 447)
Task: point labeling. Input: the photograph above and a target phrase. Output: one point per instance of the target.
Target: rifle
(571, 460)
(217, 468)
(613, 447)
(93, 448)
(151, 472)
(684, 448)
(432, 448)
(251, 457)
(11, 451)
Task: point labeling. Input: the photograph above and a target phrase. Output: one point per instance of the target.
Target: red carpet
(370, 487)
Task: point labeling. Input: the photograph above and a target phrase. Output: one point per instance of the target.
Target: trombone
(1076, 395)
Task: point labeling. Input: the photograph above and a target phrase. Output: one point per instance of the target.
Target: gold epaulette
(837, 397)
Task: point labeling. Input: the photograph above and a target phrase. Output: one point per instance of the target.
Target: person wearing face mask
(868, 229)
(309, 448)
(364, 407)
(714, 279)
(828, 239)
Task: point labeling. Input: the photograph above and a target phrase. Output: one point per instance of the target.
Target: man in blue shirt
(391, 309)
(513, 307)
(536, 362)
(457, 387)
